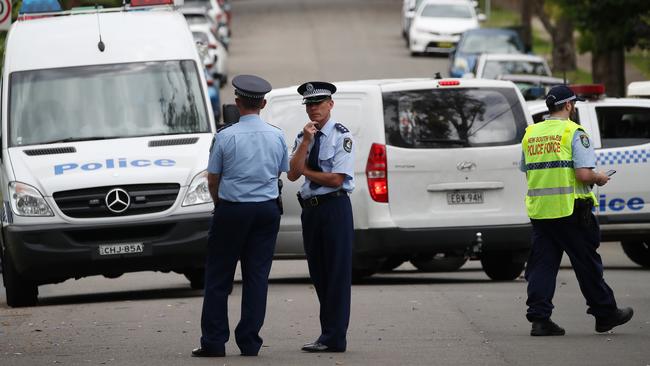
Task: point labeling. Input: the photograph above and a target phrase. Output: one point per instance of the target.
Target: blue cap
(316, 91)
(561, 94)
(250, 86)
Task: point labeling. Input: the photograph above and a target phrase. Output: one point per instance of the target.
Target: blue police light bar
(39, 6)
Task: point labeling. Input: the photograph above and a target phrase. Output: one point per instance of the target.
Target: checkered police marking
(636, 156)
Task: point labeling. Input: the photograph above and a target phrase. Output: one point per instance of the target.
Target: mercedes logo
(466, 166)
(117, 200)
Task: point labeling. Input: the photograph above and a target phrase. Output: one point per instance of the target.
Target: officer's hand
(601, 179)
(309, 131)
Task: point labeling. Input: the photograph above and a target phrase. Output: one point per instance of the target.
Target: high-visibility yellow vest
(552, 184)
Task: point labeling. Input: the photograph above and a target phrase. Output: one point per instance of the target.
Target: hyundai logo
(117, 200)
(466, 166)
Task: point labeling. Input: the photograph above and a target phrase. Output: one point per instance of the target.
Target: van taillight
(376, 173)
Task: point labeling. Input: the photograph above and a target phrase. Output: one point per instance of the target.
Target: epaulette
(226, 126)
(341, 128)
(300, 134)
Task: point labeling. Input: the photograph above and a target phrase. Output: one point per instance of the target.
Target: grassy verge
(641, 60)
(500, 18)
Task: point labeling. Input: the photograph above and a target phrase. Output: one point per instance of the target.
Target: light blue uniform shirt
(249, 155)
(584, 155)
(336, 156)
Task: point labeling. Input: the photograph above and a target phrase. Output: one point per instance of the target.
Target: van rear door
(453, 153)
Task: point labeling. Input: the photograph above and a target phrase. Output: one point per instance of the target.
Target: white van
(436, 172)
(104, 148)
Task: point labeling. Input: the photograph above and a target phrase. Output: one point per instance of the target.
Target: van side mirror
(230, 113)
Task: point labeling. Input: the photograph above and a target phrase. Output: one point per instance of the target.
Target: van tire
(436, 263)
(196, 276)
(638, 251)
(392, 262)
(19, 290)
(502, 266)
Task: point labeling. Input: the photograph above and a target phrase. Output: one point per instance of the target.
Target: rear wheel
(638, 251)
(440, 262)
(196, 276)
(391, 263)
(19, 290)
(503, 266)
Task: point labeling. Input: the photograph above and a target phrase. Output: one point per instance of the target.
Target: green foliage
(641, 60)
(608, 24)
(500, 18)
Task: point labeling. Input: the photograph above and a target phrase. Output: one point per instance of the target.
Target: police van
(619, 129)
(105, 137)
(436, 172)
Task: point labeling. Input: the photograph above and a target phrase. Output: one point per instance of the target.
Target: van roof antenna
(437, 76)
(101, 44)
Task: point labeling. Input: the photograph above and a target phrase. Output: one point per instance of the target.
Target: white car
(213, 10)
(494, 65)
(436, 172)
(216, 60)
(438, 24)
(619, 129)
(408, 12)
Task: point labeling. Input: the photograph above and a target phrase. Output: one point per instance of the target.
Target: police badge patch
(584, 139)
(347, 144)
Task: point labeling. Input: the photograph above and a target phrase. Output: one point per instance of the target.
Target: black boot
(620, 316)
(542, 328)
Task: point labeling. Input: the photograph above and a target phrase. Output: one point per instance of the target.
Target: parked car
(476, 42)
(214, 9)
(408, 12)
(438, 24)
(199, 15)
(619, 129)
(533, 86)
(493, 65)
(216, 57)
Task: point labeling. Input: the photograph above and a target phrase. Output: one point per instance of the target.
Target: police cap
(561, 94)
(316, 91)
(250, 86)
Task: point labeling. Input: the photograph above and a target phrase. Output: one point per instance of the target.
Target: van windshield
(106, 101)
(453, 118)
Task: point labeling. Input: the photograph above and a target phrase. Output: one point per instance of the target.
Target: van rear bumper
(383, 242)
(54, 253)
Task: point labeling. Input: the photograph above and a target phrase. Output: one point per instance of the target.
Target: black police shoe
(202, 352)
(319, 347)
(543, 328)
(621, 316)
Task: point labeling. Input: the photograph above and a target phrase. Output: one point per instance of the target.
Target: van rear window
(452, 118)
(106, 101)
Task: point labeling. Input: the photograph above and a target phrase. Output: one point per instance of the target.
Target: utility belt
(320, 199)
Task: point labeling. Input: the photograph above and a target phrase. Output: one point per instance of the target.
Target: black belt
(320, 199)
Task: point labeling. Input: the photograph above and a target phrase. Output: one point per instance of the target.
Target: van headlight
(198, 191)
(28, 201)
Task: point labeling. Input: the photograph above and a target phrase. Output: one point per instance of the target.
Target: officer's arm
(213, 186)
(298, 161)
(323, 178)
(589, 176)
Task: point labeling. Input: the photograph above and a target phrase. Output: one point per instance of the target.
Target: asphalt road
(399, 318)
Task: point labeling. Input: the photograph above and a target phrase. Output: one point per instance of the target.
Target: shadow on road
(136, 295)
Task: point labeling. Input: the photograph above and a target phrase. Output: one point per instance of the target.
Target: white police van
(619, 129)
(436, 172)
(105, 139)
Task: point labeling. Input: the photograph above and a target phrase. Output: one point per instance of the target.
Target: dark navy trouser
(244, 231)
(552, 237)
(328, 234)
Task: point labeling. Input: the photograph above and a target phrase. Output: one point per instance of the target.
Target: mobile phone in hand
(610, 172)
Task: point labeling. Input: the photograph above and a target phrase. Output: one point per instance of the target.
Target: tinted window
(446, 11)
(451, 118)
(490, 43)
(492, 69)
(106, 101)
(623, 126)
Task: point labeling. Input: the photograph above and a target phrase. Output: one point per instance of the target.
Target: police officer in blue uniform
(323, 153)
(578, 235)
(246, 160)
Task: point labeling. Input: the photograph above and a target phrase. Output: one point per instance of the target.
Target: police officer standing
(323, 154)
(558, 159)
(245, 161)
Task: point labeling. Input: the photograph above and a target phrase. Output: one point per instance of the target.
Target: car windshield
(452, 118)
(493, 69)
(106, 101)
(490, 43)
(446, 11)
(196, 19)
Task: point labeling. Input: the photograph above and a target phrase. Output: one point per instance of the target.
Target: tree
(607, 28)
(560, 26)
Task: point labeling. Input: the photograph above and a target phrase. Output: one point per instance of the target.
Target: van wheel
(19, 290)
(503, 266)
(440, 262)
(638, 251)
(391, 263)
(196, 276)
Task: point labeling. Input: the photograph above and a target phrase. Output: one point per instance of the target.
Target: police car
(436, 172)
(105, 137)
(619, 129)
